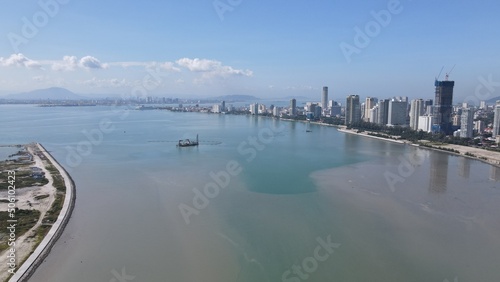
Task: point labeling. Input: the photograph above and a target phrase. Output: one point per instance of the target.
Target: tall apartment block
(443, 105)
(352, 109)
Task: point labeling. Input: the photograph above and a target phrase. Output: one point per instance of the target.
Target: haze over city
(269, 50)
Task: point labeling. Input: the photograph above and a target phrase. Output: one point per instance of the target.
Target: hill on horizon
(52, 93)
(493, 100)
(237, 98)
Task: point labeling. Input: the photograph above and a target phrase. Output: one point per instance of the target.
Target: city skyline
(207, 49)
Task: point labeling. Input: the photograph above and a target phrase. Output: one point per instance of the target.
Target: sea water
(258, 200)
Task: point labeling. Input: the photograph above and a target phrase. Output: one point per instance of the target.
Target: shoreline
(462, 150)
(30, 265)
(371, 136)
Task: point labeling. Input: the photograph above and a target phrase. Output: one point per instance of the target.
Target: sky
(268, 49)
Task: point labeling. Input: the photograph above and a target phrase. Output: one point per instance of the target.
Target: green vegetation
(57, 177)
(23, 175)
(469, 154)
(406, 133)
(23, 179)
(26, 219)
(40, 197)
(53, 213)
(434, 145)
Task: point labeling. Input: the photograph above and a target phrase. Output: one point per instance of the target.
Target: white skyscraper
(276, 111)
(374, 114)
(417, 109)
(425, 123)
(496, 120)
(254, 109)
(216, 108)
(324, 98)
(369, 104)
(467, 120)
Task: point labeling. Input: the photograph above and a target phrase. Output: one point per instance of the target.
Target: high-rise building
(293, 107)
(397, 112)
(428, 107)
(317, 112)
(276, 111)
(374, 114)
(417, 109)
(467, 120)
(369, 104)
(482, 105)
(479, 126)
(223, 106)
(216, 108)
(496, 120)
(262, 109)
(425, 123)
(352, 109)
(335, 109)
(331, 103)
(324, 98)
(456, 119)
(443, 105)
(383, 111)
(254, 109)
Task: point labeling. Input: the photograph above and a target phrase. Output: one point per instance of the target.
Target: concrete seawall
(43, 249)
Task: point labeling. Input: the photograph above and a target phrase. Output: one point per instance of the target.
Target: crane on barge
(188, 142)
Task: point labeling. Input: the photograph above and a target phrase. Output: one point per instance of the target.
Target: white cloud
(90, 62)
(19, 60)
(69, 63)
(208, 68)
(169, 66)
(211, 68)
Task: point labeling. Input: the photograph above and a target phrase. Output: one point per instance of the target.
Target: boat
(188, 142)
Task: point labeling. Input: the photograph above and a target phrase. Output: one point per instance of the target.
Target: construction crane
(448, 74)
(437, 77)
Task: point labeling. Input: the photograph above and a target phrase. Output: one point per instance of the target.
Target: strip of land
(490, 157)
(49, 200)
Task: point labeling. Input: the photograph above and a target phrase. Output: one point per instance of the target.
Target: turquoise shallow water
(292, 190)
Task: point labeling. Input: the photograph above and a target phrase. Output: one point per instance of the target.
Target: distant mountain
(492, 101)
(237, 98)
(297, 98)
(53, 93)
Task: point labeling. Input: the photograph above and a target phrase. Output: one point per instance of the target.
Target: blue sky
(266, 49)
